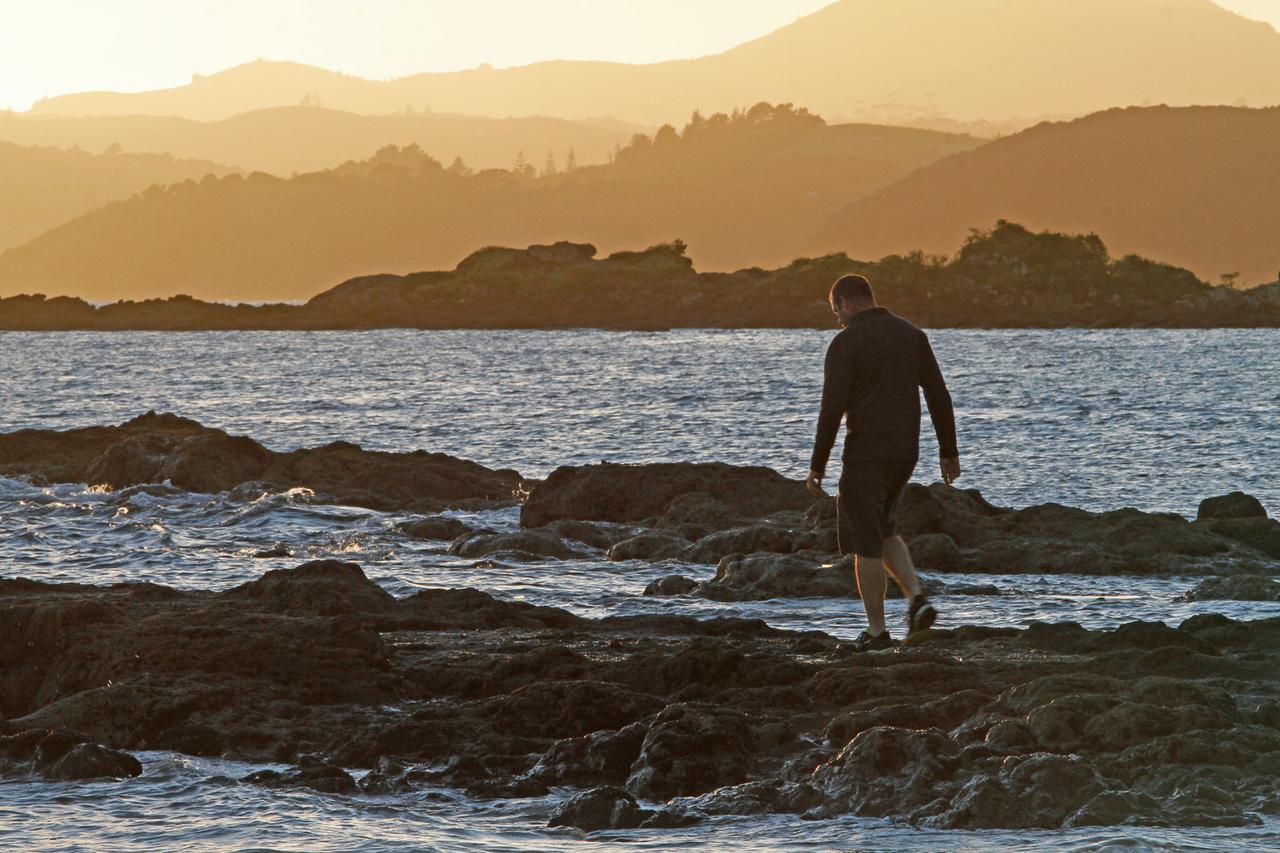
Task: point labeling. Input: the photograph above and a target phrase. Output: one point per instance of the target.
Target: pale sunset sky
(54, 47)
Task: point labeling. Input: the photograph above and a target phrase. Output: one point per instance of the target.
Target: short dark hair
(852, 286)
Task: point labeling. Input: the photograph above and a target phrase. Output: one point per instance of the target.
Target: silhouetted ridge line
(1003, 277)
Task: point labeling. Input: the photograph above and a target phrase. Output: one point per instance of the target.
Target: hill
(856, 60)
(747, 189)
(1003, 277)
(41, 187)
(1195, 186)
(281, 140)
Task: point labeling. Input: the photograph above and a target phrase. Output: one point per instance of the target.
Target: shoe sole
(924, 619)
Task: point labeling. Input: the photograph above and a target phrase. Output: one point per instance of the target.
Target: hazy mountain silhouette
(743, 190)
(42, 187)
(287, 139)
(890, 61)
(1196, 187)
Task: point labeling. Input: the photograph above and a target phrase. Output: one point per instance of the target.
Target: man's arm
(941, 411)
(837, 375)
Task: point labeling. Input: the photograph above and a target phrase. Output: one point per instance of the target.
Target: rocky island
(1006, 277)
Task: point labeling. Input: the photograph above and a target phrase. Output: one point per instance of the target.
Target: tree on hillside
(571, 162)
(549, 168)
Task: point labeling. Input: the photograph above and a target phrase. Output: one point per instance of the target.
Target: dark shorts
(867, 502)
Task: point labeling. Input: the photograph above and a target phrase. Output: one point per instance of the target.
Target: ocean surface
(1100, 419)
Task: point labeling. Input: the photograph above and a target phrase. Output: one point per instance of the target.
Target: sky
(54, 47)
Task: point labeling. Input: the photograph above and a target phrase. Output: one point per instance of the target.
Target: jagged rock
(759, 577)
(535, 543)
(1232, 505)
(651, 545)
(440, 527)
(1234, 588)
(600, 808)
(597, 534)
(1261, 534)
(63, 755)
(280, 549)
(562, 252)
(1041, 790)
(887, 770)
(671, 585)
(318, 777)
(764, 576)
(741, 540)
(599, 758)
(692, 749)
(156, 447)
(621, 493)
(319, 587)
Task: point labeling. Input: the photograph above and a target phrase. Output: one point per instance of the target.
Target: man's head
(849, 295)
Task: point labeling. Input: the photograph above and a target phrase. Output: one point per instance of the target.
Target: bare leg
(897, 560)
(871, 586)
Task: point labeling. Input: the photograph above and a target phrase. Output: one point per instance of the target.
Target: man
(874, 370)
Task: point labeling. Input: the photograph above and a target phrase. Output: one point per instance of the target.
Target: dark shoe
(920, 615)
(867, 643)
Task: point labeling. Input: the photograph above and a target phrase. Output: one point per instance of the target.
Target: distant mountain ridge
(1196, 186)
(41, 187)
(281, 140)
(747, 189)
(887, 61)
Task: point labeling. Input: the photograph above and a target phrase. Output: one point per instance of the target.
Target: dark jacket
(874, 371)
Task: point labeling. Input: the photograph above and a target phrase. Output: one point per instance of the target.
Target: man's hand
(950, 469)
(814, 484)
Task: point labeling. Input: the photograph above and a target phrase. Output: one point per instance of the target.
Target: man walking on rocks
(874, 371)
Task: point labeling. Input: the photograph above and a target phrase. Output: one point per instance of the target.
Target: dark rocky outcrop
(1232, 505)
(439, 527)
(319, 668)
(62, 755)
(1235, 588)
(526, 544)
(154, 448)
(632, 493)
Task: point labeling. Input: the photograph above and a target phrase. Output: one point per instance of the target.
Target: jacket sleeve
(837, 375)
(938, 398)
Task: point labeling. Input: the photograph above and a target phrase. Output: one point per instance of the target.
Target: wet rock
(671, 585)
(1232, 505)
(537, 543)
(597, 534)
(698, 512)
(764, 576)
(214, 462)
(759, 577)
(651, 545)
(936, 551)
(1260, 534)
(741, 540)
(1036, 791)
(319, 587)
(600, 808)
(692, 749)
(888, 770)
(63, 755)
(439, 527)
(154, 447)
(599, 758)
(622, 493)
(1235, 588)
(279, 549)
(317, 777)
(572, 708)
